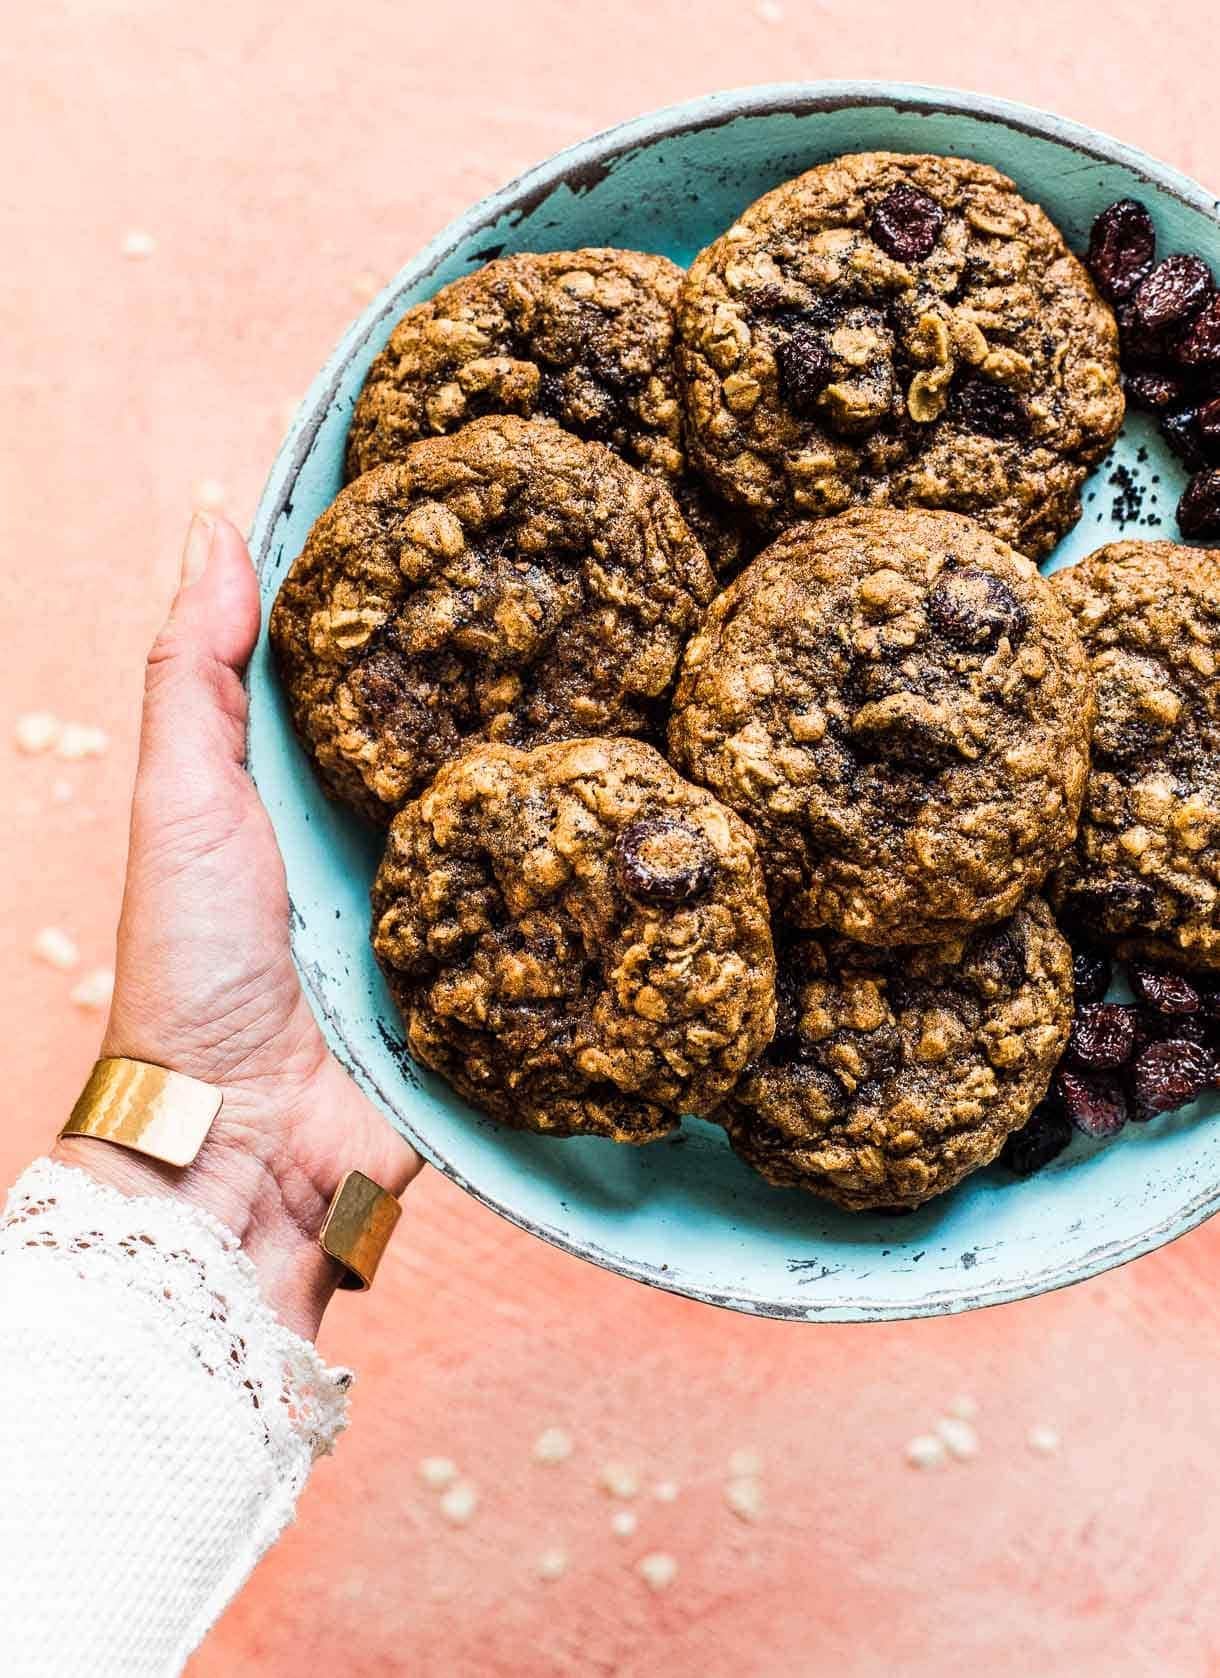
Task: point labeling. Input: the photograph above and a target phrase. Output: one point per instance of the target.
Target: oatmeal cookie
(508, 583)
(577, 939)
(899, 331)
(901, 708)
(584, 337)
(894, 1073)
(1145, 874)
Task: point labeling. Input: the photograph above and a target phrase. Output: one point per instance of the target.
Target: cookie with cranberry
(1144, 876)
(893, 1073)
(577, 939)
(901, 708)
(899, 331)
(584, 337)
(508, 582)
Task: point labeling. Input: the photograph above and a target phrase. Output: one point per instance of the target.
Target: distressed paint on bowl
(685, 1214)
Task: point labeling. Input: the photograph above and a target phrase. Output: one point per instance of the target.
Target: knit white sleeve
(157, 1424)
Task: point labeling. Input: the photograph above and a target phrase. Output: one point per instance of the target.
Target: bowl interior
(684, 1214)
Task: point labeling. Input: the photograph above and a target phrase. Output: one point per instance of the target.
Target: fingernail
(195, 553)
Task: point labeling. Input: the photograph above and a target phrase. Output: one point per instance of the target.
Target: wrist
(274, 1210)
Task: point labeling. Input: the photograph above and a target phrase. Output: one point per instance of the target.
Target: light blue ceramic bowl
(685, 1214)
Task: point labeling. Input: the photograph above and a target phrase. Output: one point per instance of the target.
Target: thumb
(193, 733)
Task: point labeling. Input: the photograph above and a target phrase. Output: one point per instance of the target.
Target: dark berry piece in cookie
(998, 959)
(1122, 248)
(990, 409)
(1164, 992)
(1199, 346)
(976, 608)
(551, 992)
(1103, 1036)
(805, 366)
(1168, 1074)
(1091, 973)
(1199, 508)
(1036, 1144)
(1110, 908)
(664, 860)
(907, 223)
(1173, 292)
(1095, 1102)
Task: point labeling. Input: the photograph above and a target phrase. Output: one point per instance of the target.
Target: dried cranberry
(998, 961)
(1174, 292)
(907, 223)
(990, 409)
(1168, 1074)
(1180, 429)
(661, 860)
(1199, 346)
(1208, 423)
(1091, 973)
(1103, 1036)
(1199, 508)
(1122, 248)
(805, 365)
(1039, 1142)
(1137, 346)
(1166, 993)
(974, 608)
(1194, 1027)
(1155, 391)
(1095, 1102)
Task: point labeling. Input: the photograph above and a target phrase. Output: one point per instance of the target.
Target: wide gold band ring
(357, 1228)
(146, 1108)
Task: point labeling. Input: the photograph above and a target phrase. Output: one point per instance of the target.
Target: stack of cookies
(685, 632)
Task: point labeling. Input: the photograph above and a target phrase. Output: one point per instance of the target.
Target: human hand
(204, 979)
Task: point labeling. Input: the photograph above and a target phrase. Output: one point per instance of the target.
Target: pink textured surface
(280, 156)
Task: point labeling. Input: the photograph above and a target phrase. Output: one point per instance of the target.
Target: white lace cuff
(157, 1424)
